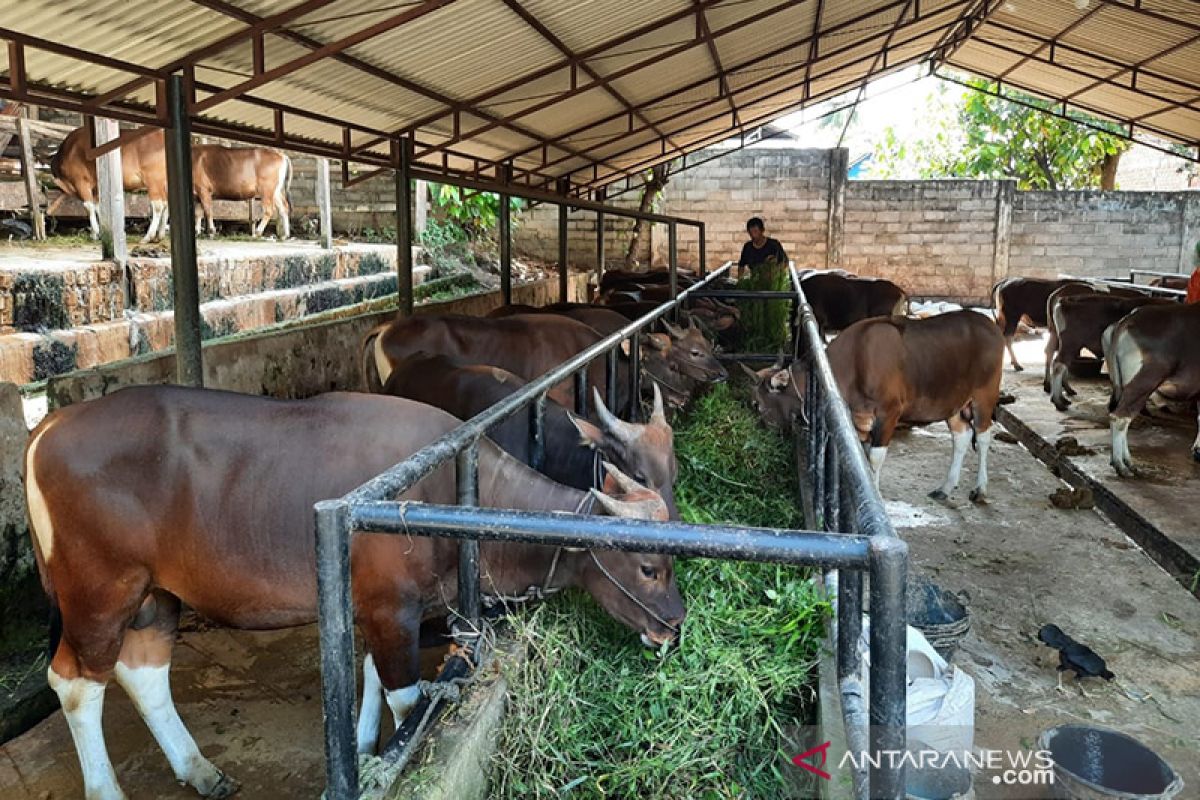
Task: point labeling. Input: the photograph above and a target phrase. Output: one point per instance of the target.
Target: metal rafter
(954, 38)
(1133, 68)
(537, 25)
(620, 73)
(801, 67)
(745, 65)
(813, 45)
(1049, 44)
(703, 31)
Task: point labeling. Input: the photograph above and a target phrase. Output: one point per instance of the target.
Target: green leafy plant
(765, 322)
(476, 213)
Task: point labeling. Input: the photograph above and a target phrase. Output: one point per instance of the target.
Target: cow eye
(649, 571)
(696, 353)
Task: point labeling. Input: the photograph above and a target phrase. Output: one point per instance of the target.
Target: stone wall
(945, 238)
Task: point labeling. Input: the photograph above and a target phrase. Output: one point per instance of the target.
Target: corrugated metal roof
(589, 90)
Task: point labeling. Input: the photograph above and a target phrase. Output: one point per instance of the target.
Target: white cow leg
(367, 734)
(156, 212)
(962, 440)
(1122, 459)
(402, 700)
(163, 220)
(983, 441)
(875, 456)
(83, 705)
(149, 687)
(93, 217)
(1012, 354)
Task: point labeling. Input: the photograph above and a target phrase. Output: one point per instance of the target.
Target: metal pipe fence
(853, 536)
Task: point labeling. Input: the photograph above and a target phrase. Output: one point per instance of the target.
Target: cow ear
(658, 341)
(754, 376)
(589, 434)
(781, 380)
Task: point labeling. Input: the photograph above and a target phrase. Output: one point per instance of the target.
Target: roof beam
(627, 70)
(748, 63)
(813, 45)
(1135, 67)
(1050, 43)
(968, 23)
(325, 51)
(537, 25)
(703, 31)
(1137, 7)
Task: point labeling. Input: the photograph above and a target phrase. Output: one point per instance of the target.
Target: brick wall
(931, 237)
(944, 238)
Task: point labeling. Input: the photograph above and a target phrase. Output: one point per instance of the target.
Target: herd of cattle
(218, 173)
(205, 496)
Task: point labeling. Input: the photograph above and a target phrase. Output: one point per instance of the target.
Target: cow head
(693, 353)
(660, 364)
(647, 452)
(778, 395)
(638, 589)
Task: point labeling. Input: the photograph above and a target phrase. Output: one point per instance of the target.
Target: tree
(655, 181)
(988, 136)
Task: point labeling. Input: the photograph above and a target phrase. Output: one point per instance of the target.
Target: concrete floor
(1023, 563)
(251, 700)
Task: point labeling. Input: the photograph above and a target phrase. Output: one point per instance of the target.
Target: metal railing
(842, 498)
(874, 549)
(1131, 282)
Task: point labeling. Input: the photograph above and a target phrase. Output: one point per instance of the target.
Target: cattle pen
(853, 537)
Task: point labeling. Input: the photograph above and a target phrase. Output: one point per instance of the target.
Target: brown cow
(1152, 349)
(1016, 299)
(1080, 321)
(838, 301)
(1052, 339)
(243, 173)
(916, 371)
(1178, 282)
(143, 167)
(207, 499)
(528, 345)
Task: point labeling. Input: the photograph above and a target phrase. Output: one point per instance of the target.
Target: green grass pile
(765, 322)
(594, 714)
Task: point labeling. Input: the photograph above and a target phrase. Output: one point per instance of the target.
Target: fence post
(335, 619)
(600, 195)
(849, 604)
(581, 392)
(839, 162)
(635, 377)
(673, 266)
(563, 188)
(505, 233)
(610, 379)
(889, 574)
(703, 266)
(324, 203)
(110, 188)
(181, 208)
(467, 478)
(29, 172)
(404, 237)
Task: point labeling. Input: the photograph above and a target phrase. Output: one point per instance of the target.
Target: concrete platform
(1168, 488)
(1022, 563)
(251, 700)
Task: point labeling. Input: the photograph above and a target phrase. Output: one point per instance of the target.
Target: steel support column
(889, 575)
(563, 189)
(335, 618)
(404, 227)
(467, 467)
(600, 196)
(189, 368)
(673, 265)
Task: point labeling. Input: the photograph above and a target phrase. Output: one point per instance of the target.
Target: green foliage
(985, 136)
(765, 322)
(594, 714)
(476, 213)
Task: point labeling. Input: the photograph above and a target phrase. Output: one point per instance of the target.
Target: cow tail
(287, 184)
(1109, 340)
(371, 379)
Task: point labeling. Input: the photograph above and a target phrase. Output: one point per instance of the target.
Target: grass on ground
(594, 714)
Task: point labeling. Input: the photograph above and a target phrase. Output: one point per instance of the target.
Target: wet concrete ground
(251, 700)
(1022, 563)
(1167, 491)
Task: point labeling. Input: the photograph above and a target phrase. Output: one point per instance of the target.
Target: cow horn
(754, 376)
(623, 431)
(643, 509)
(658, 416)
(628, 485)
(676, 333)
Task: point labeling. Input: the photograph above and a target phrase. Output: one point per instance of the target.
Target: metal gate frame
(855, 537)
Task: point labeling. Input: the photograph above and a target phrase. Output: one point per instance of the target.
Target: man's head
(756, 229)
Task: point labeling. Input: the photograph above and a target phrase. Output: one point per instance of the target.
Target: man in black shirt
(760, 247)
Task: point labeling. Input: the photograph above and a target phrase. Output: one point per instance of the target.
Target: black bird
(1073, 656)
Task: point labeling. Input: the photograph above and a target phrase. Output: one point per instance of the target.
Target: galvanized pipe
(467, 495)
(610, 376)
(189, 367)
(335, 618)
(581, 392)
(769, 545)
(703, 266)
(831, 504)
(849, 603)
(673, 265)
(562, 244)
(889, 686)
(505, 233)
(404, 226)
(635, 377)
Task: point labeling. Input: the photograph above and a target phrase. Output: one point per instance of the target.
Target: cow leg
(82, 701)
(392, 634)
(143, 670)
(879, 437)
(157, 222)
(1121, 458)
(93, 217)
(367, 734)
(983, 441)
(1057, 384)
(960, 434)
(1012, 356)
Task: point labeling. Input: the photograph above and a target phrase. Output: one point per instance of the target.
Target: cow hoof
(1062, 405)
(1124, 470)
(1069, 390)
(978, 497)
(1046, 387)
(1018, 368)
(226, 787)
(937, 494)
